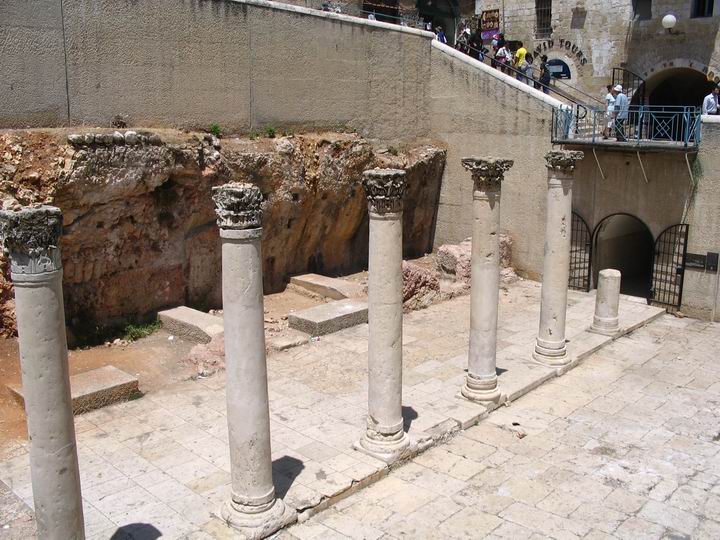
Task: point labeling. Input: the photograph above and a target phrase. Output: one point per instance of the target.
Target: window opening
(543, 17)
(702, 8)
(642, 9)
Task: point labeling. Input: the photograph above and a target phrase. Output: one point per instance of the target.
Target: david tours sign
(489, 23)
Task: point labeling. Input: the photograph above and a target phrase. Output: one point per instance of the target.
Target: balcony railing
(646, 125)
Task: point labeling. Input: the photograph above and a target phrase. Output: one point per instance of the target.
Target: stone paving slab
(191, 324)
(330, 317)
(333, 288)
(94, 389)
(165, 459)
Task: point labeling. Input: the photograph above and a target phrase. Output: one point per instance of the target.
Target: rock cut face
(140, 229)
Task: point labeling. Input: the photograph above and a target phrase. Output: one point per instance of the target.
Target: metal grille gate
(669, 267)
(580, 252)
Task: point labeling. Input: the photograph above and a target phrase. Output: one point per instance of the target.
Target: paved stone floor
(624, 446)
(161, 463)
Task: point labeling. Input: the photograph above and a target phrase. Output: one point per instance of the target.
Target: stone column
(385, 437)
(487, 175)
(607, 303)
(550, 346)
(253, 507)
(31, 238)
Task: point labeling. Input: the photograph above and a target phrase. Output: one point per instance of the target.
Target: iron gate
(580, 251)
(669, 266)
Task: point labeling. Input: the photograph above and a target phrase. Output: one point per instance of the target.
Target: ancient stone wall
(140, 229)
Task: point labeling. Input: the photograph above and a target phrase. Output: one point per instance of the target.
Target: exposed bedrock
(140, 231)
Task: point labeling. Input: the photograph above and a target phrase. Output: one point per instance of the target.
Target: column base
(254, 525)
(551, 357)
(606, 327)
(387, 448)
(481, 390)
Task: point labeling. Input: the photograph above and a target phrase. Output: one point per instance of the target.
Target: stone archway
(679, 86)
(624, 242)
(680, 81)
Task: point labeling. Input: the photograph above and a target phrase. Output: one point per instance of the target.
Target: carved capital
(384, 189)
(563, 160)
(31, 237)
(486, 171)
(238, 206)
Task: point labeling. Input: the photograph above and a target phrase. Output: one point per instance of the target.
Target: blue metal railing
(645, 125)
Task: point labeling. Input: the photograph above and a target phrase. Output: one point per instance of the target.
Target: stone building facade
(594, 36)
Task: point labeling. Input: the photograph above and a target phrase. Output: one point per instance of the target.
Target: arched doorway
(679, 86)
(623, 242)
(445, 13)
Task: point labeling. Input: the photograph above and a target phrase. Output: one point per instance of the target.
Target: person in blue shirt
(620, 112)
(440, 35)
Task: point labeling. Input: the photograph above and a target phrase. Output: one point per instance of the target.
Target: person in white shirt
(710, 103)
(610, 103)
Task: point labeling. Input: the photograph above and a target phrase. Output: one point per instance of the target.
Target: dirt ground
(157, 360)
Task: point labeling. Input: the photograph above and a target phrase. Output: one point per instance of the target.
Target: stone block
(455, 259)
(191, 324)
(94, 389)
(288, 341)
(334, 288)
(331, 317)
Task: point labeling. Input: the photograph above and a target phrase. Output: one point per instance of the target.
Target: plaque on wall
(695, 260)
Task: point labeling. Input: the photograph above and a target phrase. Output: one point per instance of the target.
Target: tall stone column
(253, 507)
(550, 346)
(31, 238)
(385, 437)
(481, 383)
(607, 303)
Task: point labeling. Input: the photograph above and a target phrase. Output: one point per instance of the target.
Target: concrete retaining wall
(189, 63)
(32, 64)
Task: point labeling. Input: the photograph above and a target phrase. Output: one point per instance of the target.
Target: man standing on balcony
(620, 110)
(610, 102)
(710, 103)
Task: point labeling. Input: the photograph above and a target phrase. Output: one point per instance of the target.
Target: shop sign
(565, 45)
(489, 23)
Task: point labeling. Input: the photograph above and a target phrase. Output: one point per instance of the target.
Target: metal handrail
(581, 107)
(643, 125)
(557, 80)
(634, 84)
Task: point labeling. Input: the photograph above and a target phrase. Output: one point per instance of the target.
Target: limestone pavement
(623, 447)
(164, 462)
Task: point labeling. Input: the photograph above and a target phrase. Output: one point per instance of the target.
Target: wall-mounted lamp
(669, 21)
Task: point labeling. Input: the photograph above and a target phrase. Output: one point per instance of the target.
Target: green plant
(215, 129)
(133, 332)
(253, 135)
(270, 132)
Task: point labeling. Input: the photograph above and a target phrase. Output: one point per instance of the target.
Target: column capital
(487, 171)
(31, 236)
(384, 189)
(563, 160)
(238, 206)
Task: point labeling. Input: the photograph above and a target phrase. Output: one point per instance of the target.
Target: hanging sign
(489, 23)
